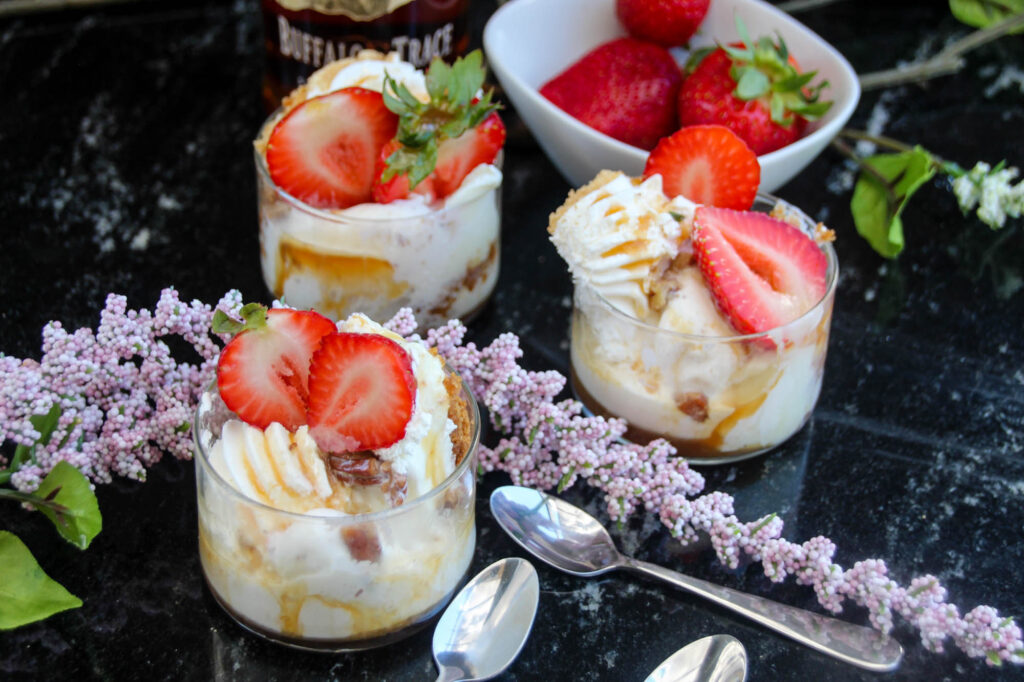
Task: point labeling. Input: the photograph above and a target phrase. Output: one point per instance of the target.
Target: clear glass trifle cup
(339, 234)
(718, 397)
(324, 580)
(440, 261)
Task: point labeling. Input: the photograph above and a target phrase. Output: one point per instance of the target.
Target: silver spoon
(719, 658)
(484, 628)
(573, 541)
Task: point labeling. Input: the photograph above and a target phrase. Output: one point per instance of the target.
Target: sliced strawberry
(762, 272)
(263, 372)
(386, 191)
(324, 150)
(456, 158)
(707, 164)
(361, 392)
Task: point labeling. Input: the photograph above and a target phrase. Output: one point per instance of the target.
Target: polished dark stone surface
(126, 166)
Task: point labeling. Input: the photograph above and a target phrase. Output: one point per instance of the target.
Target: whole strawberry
(626, 89)
(758, 93)
(439, 142)
(665, 22)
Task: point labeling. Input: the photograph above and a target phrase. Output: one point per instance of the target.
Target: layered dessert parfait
(379, 188)
(335, 480)
(704, 325)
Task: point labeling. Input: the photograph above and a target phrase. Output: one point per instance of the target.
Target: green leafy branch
(27, 593)
(888, 180)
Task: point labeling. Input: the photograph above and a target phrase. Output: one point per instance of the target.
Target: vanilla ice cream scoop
(617, 233)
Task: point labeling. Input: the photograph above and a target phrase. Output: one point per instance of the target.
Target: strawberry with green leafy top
(445, 138)
(757, 92)
(263, 372)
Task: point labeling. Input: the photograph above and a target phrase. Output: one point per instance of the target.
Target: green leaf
(422, 126)
(739, 54)
(812, 110)
(743, 33)
(876, 207)
(794, 82)
(984, 13)
(439, 75)
(45, 424)
(751, 83)
(254, 316)
(778, 110)
(80, 521)
(27, 594)
(697, 56)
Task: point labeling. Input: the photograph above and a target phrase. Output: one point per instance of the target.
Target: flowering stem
(940, 164)
(879, 140)
(34, 500)
(794, 6)
(883, 182)
(949, 60)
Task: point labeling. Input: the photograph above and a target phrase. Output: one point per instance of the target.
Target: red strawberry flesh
(263, 374)
(708, 165)
(323, 151)
(361, 392)
(456, 158)
(386, 191)
(762, 272)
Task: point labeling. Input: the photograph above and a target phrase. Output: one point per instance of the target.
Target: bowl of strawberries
(600, 82)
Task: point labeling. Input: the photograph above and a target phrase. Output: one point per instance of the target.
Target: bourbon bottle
(302, 35)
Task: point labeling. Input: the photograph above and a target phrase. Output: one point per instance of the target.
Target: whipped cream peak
(367, 70)
(616, 233)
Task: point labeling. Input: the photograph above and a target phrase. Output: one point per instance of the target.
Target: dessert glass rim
(335, 215)
(346, 519)
(833, 274)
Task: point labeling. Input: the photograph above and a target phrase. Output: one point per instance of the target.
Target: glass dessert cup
(377, 258)
(332, 582)
(716, 399)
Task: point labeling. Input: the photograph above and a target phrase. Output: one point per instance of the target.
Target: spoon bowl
(719, 658)
(568, 538)
(486, 625)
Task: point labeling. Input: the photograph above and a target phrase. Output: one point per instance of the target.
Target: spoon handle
(854, 644)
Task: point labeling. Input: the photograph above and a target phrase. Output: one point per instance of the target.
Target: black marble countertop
(125, 166)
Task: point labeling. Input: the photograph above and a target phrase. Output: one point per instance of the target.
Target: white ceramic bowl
(528, 42)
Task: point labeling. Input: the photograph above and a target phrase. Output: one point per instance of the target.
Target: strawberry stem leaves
(254, 316)
(763, 71)
(454, 108)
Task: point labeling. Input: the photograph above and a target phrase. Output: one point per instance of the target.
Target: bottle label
(303, 35)
(315, 51)
(357, 10)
